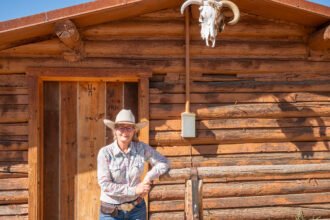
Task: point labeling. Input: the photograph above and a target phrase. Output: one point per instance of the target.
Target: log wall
(261, 97)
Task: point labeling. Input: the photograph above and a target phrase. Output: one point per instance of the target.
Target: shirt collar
(117, 151)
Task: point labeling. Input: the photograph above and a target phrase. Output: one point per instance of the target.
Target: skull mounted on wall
(211, 17)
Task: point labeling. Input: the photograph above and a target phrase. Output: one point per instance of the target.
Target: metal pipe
(187, 41)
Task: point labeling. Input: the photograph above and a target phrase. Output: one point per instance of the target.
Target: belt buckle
(127, 207)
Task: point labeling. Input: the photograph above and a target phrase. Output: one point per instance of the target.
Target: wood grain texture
(91, 137)
(68, 151)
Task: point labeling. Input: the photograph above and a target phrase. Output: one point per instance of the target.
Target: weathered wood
(13, 113)
(143, 115)
(243, 148)
(68, 151)
(242, 136)
(12, 80)
(89, 74)
(274, 77)
(131, 97)
(320, 40)
(14, 138)
(241, 98)
(21, 209)
(175, 125)
(15, 217)
(169, 215)
(114, 103)
(214, 66)
(239, 189)
(259, 201)
(164, 48)
(14, 184)
(251, 159)
(257, 28)
(13, 90)
(14, 99)
(13, 196)
(193, 205)
(260, 110)
(51, 133)
(19, 156)
(68, 33)
(13, 170)
(265, 213)
(35, 153)
(13, 129)
(242, 86)
(252, 170)
(91, 133)
(251, 201)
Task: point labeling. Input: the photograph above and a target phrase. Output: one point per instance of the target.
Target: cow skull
(211, 18)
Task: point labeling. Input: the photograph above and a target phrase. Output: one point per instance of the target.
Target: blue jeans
(138, 213)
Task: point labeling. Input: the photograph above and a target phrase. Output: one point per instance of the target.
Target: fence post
(194, 197)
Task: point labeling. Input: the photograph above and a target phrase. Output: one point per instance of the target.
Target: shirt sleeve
(159, 163)
(105, 181)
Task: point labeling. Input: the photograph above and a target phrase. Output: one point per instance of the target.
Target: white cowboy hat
(125, 116)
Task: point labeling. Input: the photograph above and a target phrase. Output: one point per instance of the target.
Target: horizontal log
(242, 136)
(13, 100)
(252, 170)
(13, 170)
(169, 215)
(13, 145)
(251, 201)
(240, 98)
(13, 156)
(14, 196)
(239, 189)
(320, 40)
(13, 129)
(250, 159)
(13, 90)
(15, 217)
(12, 80)
(257, 28)
(214, 66)
(265, 213)
(243, 148)
(175, 125)
(272, 200)
(260, 110)
(274, 77)
(242, 86)
(14, 138)
(13, 113)
(21, 209)
(14, 184)
(165, 48)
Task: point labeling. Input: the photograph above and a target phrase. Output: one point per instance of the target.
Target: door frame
(35, 77)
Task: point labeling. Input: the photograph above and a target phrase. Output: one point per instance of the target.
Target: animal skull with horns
(211, 18)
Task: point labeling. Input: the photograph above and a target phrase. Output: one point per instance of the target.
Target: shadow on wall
(307, 131)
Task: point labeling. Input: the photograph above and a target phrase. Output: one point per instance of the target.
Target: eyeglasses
(123, 129)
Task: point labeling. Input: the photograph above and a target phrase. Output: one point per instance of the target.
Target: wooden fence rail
(194, 179)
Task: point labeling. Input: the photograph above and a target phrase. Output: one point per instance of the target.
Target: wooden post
(194, 197)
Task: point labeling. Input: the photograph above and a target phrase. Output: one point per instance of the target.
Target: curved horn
(235, 10)
(189, 2)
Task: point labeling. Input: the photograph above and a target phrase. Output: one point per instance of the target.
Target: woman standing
(120, 166)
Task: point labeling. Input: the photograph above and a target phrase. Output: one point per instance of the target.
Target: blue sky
(10, 9)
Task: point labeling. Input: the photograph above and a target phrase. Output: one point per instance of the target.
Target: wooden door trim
(35, 78)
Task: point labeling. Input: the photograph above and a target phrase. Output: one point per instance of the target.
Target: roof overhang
(41, 26)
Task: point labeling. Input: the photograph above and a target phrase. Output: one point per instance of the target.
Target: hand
(142, 189)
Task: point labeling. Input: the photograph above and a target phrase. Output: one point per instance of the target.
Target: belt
(128, 206)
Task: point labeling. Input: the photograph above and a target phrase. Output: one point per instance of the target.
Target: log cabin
(261, 98)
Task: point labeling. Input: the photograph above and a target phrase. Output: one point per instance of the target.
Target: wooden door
(74, 132)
